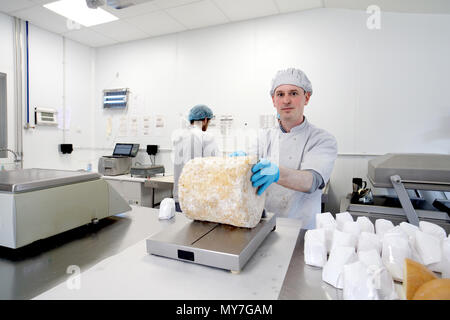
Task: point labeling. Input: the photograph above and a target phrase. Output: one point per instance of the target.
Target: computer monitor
(126, 149)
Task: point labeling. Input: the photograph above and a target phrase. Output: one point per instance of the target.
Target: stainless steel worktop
(35, 179)
(34, 269)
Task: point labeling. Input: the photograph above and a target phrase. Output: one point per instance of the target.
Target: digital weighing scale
(212, 244)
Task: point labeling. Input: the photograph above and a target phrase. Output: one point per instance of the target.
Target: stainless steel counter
(36, 268)
(35, 179)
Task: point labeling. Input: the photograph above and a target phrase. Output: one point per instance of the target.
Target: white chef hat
(292, 76)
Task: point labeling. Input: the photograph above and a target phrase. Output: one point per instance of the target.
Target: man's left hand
(264, 174)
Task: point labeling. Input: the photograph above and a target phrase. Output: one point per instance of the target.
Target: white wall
(46, 69)
(40, 145)
(377, 91)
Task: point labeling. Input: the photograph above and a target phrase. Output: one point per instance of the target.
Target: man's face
(290, 101)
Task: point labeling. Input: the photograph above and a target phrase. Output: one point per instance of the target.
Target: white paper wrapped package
(326, 221)
(379, 276)
(353, 228)
(315, 250)
(333, 269)
(382, 226)
(357, 283)
(445, 263)
(383, 283)
(343, 239)
(167, 208)
(370, 258)
(398, 231)
(445, 245)
(362, 282)
(369, 241)
(428, 247)
(443, 266)
(410, 230)
(432, 229)
(365, 224)
(394, 251)
(329, 234)
(341, 219)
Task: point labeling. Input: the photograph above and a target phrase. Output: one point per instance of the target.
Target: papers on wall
(123, 126)
(137, 103)
(146, 126)
(226, 123)
(133, 126)
(108, 128)
(159, 125)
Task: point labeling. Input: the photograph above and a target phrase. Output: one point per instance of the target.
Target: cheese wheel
(415, 275)
(437, 289)
(219, 190)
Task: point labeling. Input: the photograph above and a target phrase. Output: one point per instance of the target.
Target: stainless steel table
(36, 268)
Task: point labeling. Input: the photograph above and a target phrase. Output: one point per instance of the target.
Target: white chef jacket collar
(296, 128)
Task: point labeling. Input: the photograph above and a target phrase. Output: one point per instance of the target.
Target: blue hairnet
(200, 112)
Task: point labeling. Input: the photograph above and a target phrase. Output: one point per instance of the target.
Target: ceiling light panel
(78, 11)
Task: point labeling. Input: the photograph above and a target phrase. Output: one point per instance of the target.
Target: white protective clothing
(305, 147)
(188, 144)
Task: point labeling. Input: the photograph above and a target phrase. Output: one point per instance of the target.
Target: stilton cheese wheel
(218, 189)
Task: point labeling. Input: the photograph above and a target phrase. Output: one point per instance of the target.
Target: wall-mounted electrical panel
(45, 116)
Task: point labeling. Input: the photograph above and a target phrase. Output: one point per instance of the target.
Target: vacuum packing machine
(418, 188)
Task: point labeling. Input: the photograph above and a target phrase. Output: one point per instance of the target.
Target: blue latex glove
(264, 174)
(238, 153)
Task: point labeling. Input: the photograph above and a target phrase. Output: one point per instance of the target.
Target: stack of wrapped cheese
(363, 259)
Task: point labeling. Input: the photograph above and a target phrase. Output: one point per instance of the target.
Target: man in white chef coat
(191, 143)
(296, 157)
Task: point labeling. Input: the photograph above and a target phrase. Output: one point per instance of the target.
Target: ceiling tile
(44, 18)
(8, 6)
(165, 4)
(198, 14)
(89, 38)
(119, 30)
(298, 5)
(156, 23)
(132, 11)
(246, 9)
